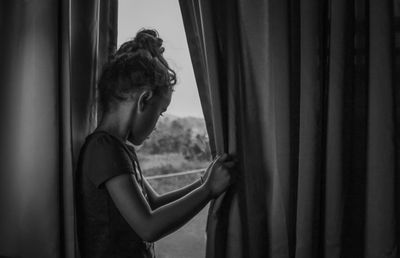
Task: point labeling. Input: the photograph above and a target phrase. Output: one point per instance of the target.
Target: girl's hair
(138, 63)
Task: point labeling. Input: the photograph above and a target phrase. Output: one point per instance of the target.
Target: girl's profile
(118, 212)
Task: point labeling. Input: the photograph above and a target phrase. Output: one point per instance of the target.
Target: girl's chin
(133, 141)
(136, 141)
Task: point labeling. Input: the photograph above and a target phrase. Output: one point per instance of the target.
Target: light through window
(178, 150)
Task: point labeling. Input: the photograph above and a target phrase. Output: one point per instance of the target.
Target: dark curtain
(51, 54)
(307, 95)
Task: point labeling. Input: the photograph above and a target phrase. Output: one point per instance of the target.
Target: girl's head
(138, 78)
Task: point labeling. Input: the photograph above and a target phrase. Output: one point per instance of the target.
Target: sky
(166, 18)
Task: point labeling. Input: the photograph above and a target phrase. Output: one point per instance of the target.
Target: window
(177, 151)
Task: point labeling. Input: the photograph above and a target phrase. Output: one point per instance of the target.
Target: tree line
(187, 136)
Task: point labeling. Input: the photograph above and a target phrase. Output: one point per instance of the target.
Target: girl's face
(149, 109)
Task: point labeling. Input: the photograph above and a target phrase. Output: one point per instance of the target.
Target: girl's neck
(114, 125)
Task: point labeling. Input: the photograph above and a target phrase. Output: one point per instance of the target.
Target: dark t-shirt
(102, 231)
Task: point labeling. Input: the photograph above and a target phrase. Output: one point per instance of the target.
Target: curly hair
(138, 63)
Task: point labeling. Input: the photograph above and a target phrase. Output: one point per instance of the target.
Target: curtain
(51, 54)
(306, 94)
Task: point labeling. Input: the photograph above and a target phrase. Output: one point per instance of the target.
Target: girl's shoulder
(104, 156)
(103, 139)
(95, 135)
(103, 145)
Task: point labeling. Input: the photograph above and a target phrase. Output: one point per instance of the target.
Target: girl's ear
(144, 99)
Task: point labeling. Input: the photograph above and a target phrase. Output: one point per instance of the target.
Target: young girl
(118, 213)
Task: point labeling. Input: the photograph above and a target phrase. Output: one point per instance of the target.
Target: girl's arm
(152, 225)
(157, 200)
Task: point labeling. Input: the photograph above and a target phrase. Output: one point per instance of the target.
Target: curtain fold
(306, 94)
(50, 64)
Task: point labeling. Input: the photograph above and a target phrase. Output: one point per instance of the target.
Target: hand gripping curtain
(307, 95)
(51, 52)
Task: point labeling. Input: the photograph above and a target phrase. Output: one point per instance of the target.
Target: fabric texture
(306, 94)
(102, 230)
(50, 63)
(103, 159)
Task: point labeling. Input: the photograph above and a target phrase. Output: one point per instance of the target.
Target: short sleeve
(106, 158)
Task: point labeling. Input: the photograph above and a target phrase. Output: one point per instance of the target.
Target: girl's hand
(218, 175)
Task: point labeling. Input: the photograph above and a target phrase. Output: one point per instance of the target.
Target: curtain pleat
(50, 63)
(66, 162)
(396, 99)
(381, 160)
(306, 94)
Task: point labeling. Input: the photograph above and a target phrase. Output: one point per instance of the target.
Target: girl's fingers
(229, 164)
(224, 157)
(218, 159)
(215, 160)
(224, 160)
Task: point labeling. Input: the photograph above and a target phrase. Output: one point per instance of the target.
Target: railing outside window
(188, 241)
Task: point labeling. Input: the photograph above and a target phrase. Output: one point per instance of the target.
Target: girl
(118, 213)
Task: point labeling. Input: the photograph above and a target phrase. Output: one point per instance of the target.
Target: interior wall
(29, 131)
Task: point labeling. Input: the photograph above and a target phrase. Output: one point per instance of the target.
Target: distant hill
(185, 135)
(197, 124)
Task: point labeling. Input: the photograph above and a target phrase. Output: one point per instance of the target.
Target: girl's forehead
(167, 99)
(167, 95)
(163, 100)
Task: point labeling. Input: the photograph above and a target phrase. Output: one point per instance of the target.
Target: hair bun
(145, 39)
(149, 40)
